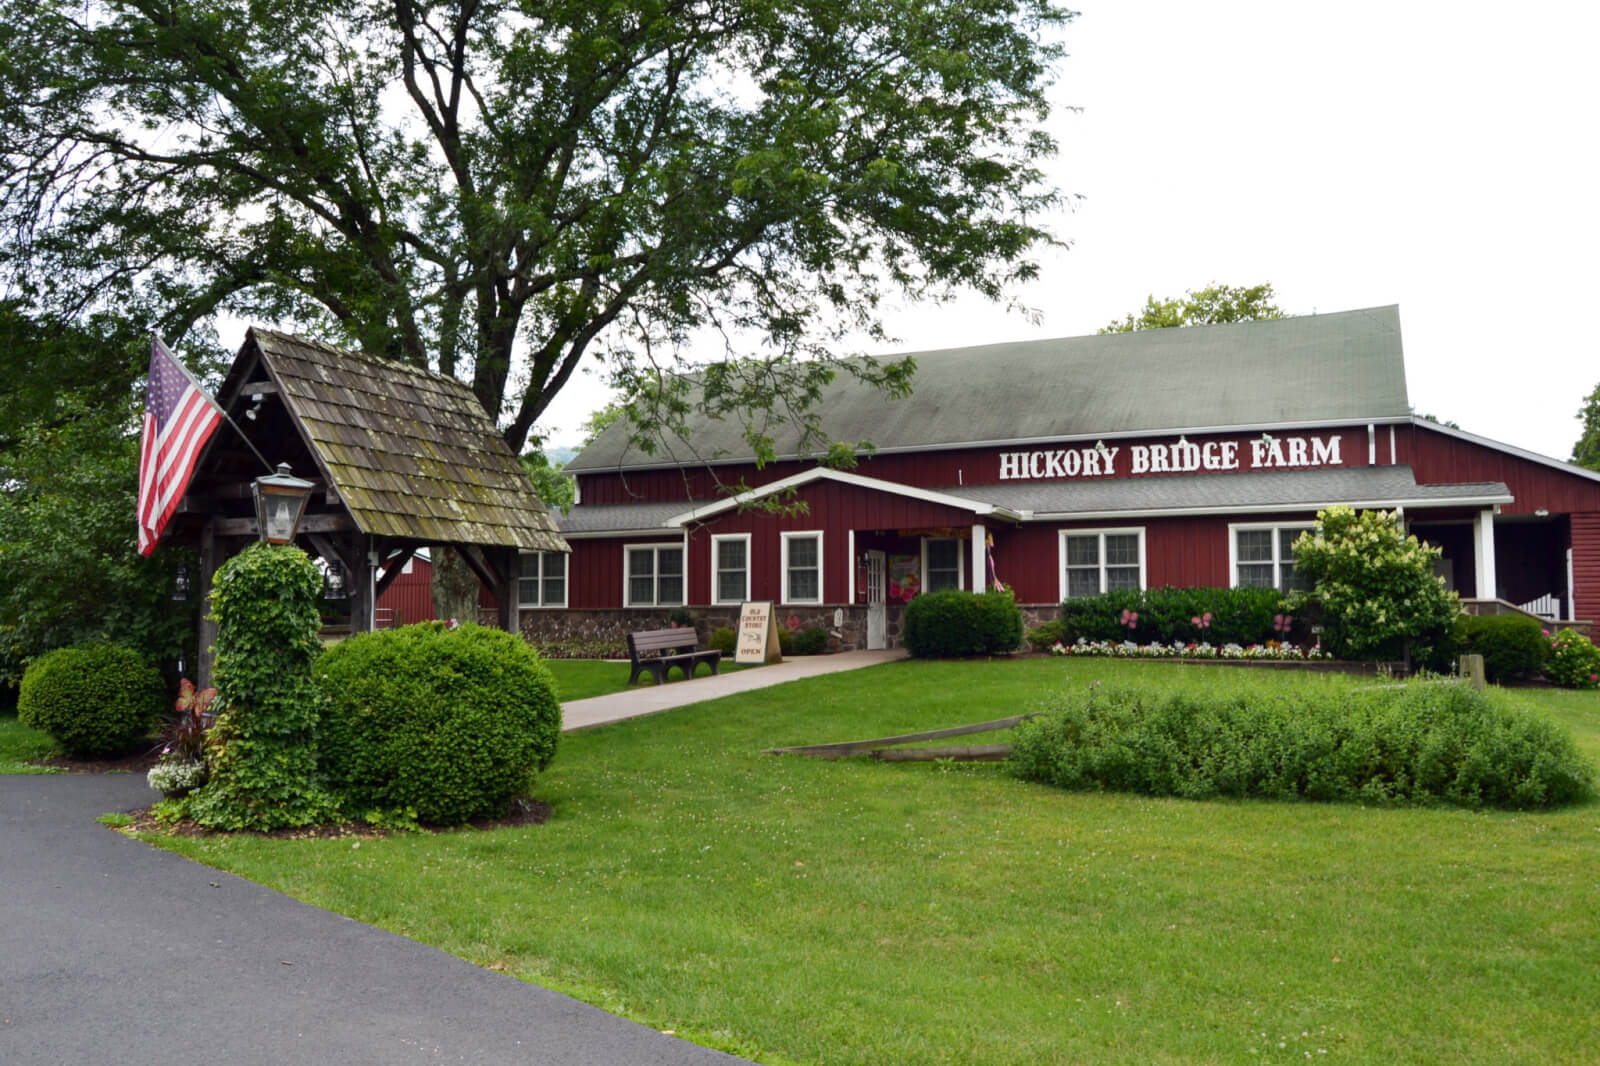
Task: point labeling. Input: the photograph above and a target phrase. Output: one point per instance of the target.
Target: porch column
(980, 559)
(1483, 552)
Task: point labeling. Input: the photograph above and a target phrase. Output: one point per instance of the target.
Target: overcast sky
(1437, 156)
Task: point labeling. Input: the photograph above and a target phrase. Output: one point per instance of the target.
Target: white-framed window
(652, 575)
(802, 567)
(730, 567)
(1261, 554)
(941, 564)
(542, 579)
(1094, 561)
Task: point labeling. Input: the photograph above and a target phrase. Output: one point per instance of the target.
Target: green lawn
(19, 745)
(578, 679)
(801, 911)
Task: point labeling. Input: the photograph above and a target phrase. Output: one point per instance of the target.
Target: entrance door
(877, 587)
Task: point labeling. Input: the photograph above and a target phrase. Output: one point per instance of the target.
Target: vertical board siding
(1586, 566)
(410, 596)
(1440, 459)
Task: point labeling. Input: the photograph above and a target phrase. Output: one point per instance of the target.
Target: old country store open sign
(1265, 452)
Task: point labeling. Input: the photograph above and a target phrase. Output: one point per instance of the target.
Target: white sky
(1439, 156)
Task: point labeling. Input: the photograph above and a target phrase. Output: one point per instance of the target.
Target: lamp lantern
(281, 500)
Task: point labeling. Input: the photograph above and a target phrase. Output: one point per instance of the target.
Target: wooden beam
(395, 567)
(313, 523)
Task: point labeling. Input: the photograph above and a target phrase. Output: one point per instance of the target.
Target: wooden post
(1470, 668)
(359, 545)
(210, 561)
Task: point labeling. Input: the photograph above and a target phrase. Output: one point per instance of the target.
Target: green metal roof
(1343, 367)
(411, 453)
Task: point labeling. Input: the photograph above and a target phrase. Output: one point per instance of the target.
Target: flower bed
(1127, 649)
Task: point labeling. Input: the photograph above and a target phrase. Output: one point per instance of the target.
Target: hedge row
(1172, 615)
(1423, 743)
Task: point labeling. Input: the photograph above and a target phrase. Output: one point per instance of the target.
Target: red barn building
(1063, 468)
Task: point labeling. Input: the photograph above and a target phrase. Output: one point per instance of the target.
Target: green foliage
(1374, 587)
(785, 640)
(264, 761)
(557, 490)
(1513, 646)
(812, 641)
(581, 649)
(723, 639)
(1586, 451)
(1211, 305)
(67, 540)
(442, 184)
(1422, 743)
(952, 622)
(449, 724)
(94, 699)
(1574, 661)
(1175, 616)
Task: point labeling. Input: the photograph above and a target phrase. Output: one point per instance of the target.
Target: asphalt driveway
(115, 952)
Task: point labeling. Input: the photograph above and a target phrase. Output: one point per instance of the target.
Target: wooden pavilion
(398, 457)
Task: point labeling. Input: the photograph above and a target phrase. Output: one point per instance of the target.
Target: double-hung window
(730, 568)
(941, 564)
(542, 579)
(802, 567)
(653, 575)
(1094, 561)
(1263, 555)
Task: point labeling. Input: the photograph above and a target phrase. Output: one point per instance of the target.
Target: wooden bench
(659, 650)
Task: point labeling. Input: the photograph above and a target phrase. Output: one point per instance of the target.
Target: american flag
(178, 419)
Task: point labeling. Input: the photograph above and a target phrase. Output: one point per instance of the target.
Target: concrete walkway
(652, 699)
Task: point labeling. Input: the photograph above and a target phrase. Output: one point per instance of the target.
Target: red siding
(1440, 459)
(1586, 566)
(410, 596)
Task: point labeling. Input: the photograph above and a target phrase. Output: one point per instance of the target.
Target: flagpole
(226, 417)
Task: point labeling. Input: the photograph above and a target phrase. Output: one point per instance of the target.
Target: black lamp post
(281, 499)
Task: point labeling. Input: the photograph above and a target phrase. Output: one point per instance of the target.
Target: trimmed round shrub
(952, 623)
(94, 699)
(1574, 661)
(723, 639)
(1513, 646)
(442, 724)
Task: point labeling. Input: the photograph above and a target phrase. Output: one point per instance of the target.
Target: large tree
(1586, 452)
(501, 190)
(1209, 306)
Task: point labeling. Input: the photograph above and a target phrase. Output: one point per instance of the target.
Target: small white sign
(758, 634)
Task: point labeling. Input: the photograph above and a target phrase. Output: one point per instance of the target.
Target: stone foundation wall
(846, 626)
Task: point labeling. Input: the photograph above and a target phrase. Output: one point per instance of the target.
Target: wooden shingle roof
(411, 454)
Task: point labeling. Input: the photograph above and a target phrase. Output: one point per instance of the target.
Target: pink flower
(793, 623)
(1594, 677)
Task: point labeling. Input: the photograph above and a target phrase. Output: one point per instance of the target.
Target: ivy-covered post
(264, 764)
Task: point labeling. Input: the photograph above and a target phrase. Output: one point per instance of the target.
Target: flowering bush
(1375, 586)
(1574, 661)
(176, 777)
(1127, 649)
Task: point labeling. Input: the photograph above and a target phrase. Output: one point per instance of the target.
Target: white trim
(1061, 554)
(1509, 449)
(1017, 442)
(980, 558)
(1392, 460)
(655, 576)
(822, 473)
(1372, 444)
(851, 567)
(1572, 592)
(961, 564)
(1258, 508)
(783, 562)
(612, 534)
(716, 574)
(1235, 528)
(566, 581)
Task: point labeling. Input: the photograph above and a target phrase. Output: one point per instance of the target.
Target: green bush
(785, 641)
(1175, 616)
(811, 641)
(1042, 636)
(952, 623)
(1574, 661)
(94, 699)
(263, 755)
(1374, 586)
(723, 639)
(1513, 646)
(447, 724)
(1423, 743)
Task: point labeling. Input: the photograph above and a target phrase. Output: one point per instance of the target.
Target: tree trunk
(455, 586)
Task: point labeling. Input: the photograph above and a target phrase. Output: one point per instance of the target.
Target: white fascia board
(656, 532)
(1509, 449)
(1026, 442)
(1271, 508)
(822, 473)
